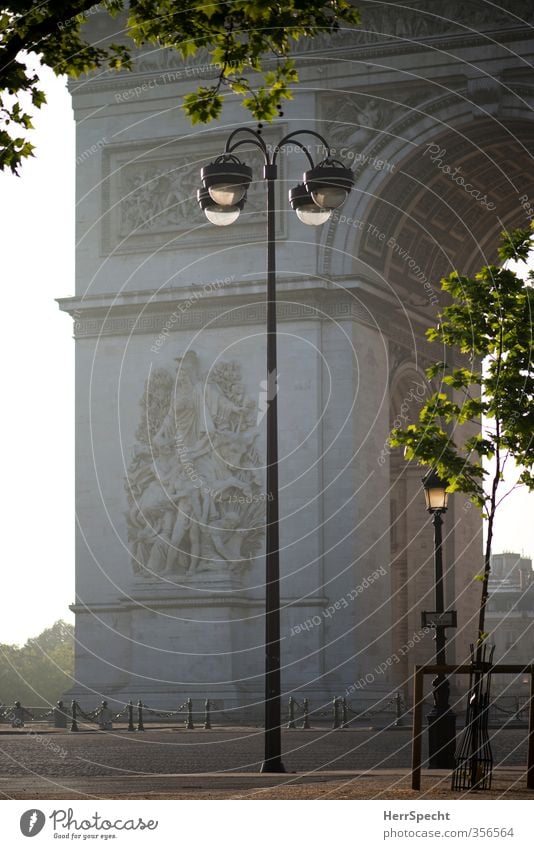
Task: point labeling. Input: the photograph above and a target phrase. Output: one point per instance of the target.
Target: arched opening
(446, 203)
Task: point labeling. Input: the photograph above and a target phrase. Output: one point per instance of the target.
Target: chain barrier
(514, 713)
(299, 713)
(339, 711)
(370, 713)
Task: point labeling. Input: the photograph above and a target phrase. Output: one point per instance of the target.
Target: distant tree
(241, 37)
(490, 323)
(41, 670)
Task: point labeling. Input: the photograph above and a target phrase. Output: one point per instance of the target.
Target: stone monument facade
(434, 115)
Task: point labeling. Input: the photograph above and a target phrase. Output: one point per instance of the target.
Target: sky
(37, 213)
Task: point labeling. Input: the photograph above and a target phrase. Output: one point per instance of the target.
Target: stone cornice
(159, 601)
(361, 304)
(384, 32)
(117, 80)
(143, 313)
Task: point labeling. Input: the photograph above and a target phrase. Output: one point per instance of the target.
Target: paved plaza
(224, 763)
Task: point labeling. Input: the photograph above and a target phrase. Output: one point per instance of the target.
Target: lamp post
(441, 719)
(222, 197)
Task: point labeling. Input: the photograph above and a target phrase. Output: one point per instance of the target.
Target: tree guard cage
(483, 688)
(474, 758)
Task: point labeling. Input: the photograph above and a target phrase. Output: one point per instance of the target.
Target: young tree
(41, 670)
(490, 322)
(241, 37)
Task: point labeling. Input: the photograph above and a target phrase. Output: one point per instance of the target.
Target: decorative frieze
(149, 196)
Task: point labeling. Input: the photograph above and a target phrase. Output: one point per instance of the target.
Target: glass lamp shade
(222, 215)
(227, 180)
(312, 214)
(436, 495)
(329, 183)
(304, 205)
(227, 194)
(216, 213)
(329, 197)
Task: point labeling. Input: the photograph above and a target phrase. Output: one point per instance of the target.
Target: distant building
(510, 613)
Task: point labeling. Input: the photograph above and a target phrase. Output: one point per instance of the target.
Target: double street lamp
(441, 719)
(325, 186)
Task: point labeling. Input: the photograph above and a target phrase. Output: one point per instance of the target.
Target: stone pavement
(372, 784)
(224, 763)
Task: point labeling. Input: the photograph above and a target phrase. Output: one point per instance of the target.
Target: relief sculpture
(194, 490)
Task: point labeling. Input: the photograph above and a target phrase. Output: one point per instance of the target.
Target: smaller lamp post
(441, 719)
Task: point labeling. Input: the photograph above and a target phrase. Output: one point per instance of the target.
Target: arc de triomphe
(434, 115)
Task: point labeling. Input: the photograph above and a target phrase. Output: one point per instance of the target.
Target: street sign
(433, 619)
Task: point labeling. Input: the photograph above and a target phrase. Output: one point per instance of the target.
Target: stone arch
(487, 138)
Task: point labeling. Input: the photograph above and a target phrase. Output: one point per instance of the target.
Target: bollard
(74, 723)
(291, 713)
(335, 713)
(140, 726)
(305, 716)
(131, 726)
(207, 719)
(398, 710)
(344, 713)
(60, 715)
(189, 721)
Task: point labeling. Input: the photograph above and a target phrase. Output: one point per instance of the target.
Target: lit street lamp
(222, 197)
(441, 719)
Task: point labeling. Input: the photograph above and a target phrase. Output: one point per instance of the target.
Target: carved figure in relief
(223, 543)
(194, 460)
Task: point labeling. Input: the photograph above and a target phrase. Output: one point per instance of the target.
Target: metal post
(417, 733)
(273, 737)
(344, 713)
(207, 719)
(398, 710)
(140, 726)
(530, 754)
(291, 713)
(131, 726)
(335, 713)
(441, 719)
(74, 723)
(305, 715)
(189, 721)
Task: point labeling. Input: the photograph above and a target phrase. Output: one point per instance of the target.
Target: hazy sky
(37, 214)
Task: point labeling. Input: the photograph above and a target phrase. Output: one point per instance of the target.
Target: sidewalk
(371, 784)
